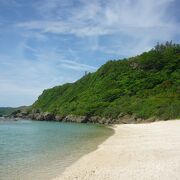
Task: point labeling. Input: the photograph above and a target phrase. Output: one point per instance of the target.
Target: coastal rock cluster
(123, 118)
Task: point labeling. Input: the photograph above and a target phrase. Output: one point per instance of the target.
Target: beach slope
(135, 151)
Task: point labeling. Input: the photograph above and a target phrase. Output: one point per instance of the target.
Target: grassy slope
(146, 86)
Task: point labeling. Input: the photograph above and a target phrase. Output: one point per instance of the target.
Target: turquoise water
(42, 150)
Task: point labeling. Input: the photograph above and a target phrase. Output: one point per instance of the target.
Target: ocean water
(34, 150)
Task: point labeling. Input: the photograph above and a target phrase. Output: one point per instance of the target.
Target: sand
(135, 152)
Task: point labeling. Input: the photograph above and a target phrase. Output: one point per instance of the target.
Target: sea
(42, 150)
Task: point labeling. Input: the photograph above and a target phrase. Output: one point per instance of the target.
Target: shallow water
(42, 150)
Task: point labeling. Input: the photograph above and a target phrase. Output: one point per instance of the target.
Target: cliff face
(129, 90)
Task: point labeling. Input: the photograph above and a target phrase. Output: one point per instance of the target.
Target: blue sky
(44, 43)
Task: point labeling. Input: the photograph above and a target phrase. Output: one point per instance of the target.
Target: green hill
(145, 86)
(6, 111)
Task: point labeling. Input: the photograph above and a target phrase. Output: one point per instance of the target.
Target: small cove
(42, 150)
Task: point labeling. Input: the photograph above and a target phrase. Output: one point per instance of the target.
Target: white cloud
(115, 27)
(93, 18)
(143, 21)
(77, 66)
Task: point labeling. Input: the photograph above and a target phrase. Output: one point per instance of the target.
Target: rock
(94, 119)
(39, 117)
(121, 115)
(126, 119)
(24, 112)
(30, 116)
(149, 120)
(48, 116)
(105, 121)
(139, 120)
(59, 118)
(100, 120)
(73, 118)
(123, 118)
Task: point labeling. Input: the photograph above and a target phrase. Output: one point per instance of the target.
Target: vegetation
(145, 86)
(5, 111)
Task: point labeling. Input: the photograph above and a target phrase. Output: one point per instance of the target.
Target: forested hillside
(145, 86)
(5, 111)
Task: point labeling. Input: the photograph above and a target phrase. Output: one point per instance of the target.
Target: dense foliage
(147, 85)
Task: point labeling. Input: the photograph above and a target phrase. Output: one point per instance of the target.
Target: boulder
(39, 117)
(48, 116)
(94, 119)
(125, 119)
(73, 118)
(59, 118)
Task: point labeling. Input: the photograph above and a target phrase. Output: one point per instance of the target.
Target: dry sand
(135, 152)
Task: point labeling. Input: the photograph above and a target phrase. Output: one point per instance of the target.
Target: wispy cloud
(77, 66)
(50, 42)
(111, 17)
(143, 21)
(28, 78)
(34, 35)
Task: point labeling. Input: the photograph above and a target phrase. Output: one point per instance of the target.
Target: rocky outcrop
(35, 115)
(42, 116)
(73, 118)
(59, 118)
(123, 118)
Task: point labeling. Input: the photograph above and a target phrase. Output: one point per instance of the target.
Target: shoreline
(148, 151)
(62, 145)
(123, 118)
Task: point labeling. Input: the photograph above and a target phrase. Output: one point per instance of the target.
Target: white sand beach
(135, 152)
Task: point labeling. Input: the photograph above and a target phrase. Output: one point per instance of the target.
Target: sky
(44, 43)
